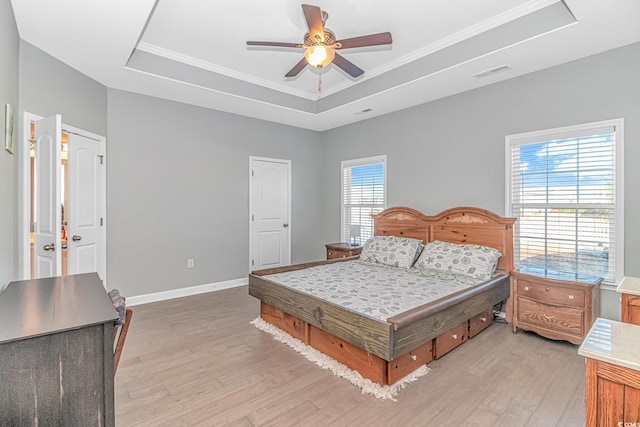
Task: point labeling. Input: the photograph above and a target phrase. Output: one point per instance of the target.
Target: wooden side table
(342, 250)
(630, 299)
(556, 305)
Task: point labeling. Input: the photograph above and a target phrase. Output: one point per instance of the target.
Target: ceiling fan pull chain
(319, 83)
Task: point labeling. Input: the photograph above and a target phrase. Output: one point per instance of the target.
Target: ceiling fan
(320, 44)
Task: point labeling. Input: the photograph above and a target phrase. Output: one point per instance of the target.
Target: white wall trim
(185, 292)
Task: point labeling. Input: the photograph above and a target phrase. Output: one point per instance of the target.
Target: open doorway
(70, 164)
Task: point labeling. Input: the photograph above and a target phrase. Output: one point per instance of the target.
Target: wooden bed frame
(384, 352)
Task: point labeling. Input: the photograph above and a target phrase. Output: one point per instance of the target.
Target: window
(364, 192)
(565, 187)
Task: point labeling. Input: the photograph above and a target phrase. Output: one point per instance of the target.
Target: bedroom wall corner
(48, 86)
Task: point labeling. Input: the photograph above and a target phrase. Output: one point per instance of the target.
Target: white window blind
(564, 188)
(363, 193)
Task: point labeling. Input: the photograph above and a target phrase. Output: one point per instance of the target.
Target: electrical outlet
(190, 263)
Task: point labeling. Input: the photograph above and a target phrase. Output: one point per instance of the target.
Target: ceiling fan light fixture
(319, 55)
(320, 45)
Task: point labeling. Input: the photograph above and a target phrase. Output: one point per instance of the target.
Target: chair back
(121, 327)
(119, 337)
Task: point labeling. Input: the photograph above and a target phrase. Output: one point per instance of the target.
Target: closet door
(84, 239)
(270, 205)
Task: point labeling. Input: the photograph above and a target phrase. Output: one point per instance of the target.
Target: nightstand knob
(546, 289)
(483, 319)
(526, 288)
(455, 336)
(570, 296)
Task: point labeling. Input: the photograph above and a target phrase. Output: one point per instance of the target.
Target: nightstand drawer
(332, 254)
(563, 319)
(342, 250)
(551, 294)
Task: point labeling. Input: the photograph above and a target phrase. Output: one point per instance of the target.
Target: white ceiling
(194, 51)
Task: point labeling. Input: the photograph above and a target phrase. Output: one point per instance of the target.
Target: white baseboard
(184, 292)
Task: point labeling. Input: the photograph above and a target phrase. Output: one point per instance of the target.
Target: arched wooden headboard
(456, 225)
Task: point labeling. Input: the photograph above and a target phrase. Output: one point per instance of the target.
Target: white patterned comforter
(375, 291)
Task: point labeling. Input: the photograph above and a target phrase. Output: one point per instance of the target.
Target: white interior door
(47, 197)
(270, 213)
(85, 241)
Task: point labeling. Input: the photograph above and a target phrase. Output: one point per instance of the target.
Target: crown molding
(205, 65)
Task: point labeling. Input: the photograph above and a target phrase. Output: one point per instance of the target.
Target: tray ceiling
(194, 51)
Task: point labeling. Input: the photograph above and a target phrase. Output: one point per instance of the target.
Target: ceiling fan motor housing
(329, 38)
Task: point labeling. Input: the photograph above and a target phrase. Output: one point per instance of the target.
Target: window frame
(359, 162)
(557, 133)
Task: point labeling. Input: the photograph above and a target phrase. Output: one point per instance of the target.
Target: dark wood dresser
(556, 305)
(56, 352)
(342, 250)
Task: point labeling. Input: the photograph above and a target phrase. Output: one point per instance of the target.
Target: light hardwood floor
(197, 361)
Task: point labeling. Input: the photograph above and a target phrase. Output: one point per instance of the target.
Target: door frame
(24, 195)
(268, 159)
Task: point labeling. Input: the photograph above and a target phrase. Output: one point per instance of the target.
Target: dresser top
(342, 246)
(629, 285)
(613, 342)
(31, 308)
(559, 275)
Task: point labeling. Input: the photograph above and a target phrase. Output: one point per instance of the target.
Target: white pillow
(475, 261)
(391, 250)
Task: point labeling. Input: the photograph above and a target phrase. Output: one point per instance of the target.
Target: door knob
(51, 247)
(285, 225)
(76, 238)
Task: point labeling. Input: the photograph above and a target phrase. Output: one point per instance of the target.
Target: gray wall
(48, 86)
(178, 175)
(178, 188)
(451, 152)
(9, 52)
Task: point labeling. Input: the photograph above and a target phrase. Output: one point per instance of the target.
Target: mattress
(372, 290)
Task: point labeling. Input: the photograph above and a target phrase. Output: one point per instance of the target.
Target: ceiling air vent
(492, 71)
(366, 110)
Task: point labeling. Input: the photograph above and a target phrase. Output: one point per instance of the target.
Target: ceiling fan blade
(274, 44)
(348, 66)
(297, 68)
(313, 15)
(370, 40)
